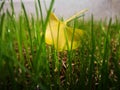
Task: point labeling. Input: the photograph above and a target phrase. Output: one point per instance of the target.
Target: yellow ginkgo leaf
(61, 36)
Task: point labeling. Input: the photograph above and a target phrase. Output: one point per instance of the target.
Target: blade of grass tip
(36, 9)
(28, 26)
(41, 14)
(33, 27)
(48, 15)
(12, 7)
(57, 34)
(91, 68)
(1, 62)
(66, 38)
(104, 69)
(2, 34)
(1, 37)
(73, 32)
(100, 39)
(117, 22)
(1, 6)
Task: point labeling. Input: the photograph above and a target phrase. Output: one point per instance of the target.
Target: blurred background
(101, 9)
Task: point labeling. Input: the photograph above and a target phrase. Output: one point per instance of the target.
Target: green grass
(27, 63)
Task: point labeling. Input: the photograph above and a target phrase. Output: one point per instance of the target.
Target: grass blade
(1, 6)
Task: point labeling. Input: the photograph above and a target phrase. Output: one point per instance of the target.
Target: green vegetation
(27, 63)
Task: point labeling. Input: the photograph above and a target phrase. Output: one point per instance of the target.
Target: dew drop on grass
(9, 30)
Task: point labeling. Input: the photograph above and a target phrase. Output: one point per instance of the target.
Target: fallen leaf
(61, 36)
